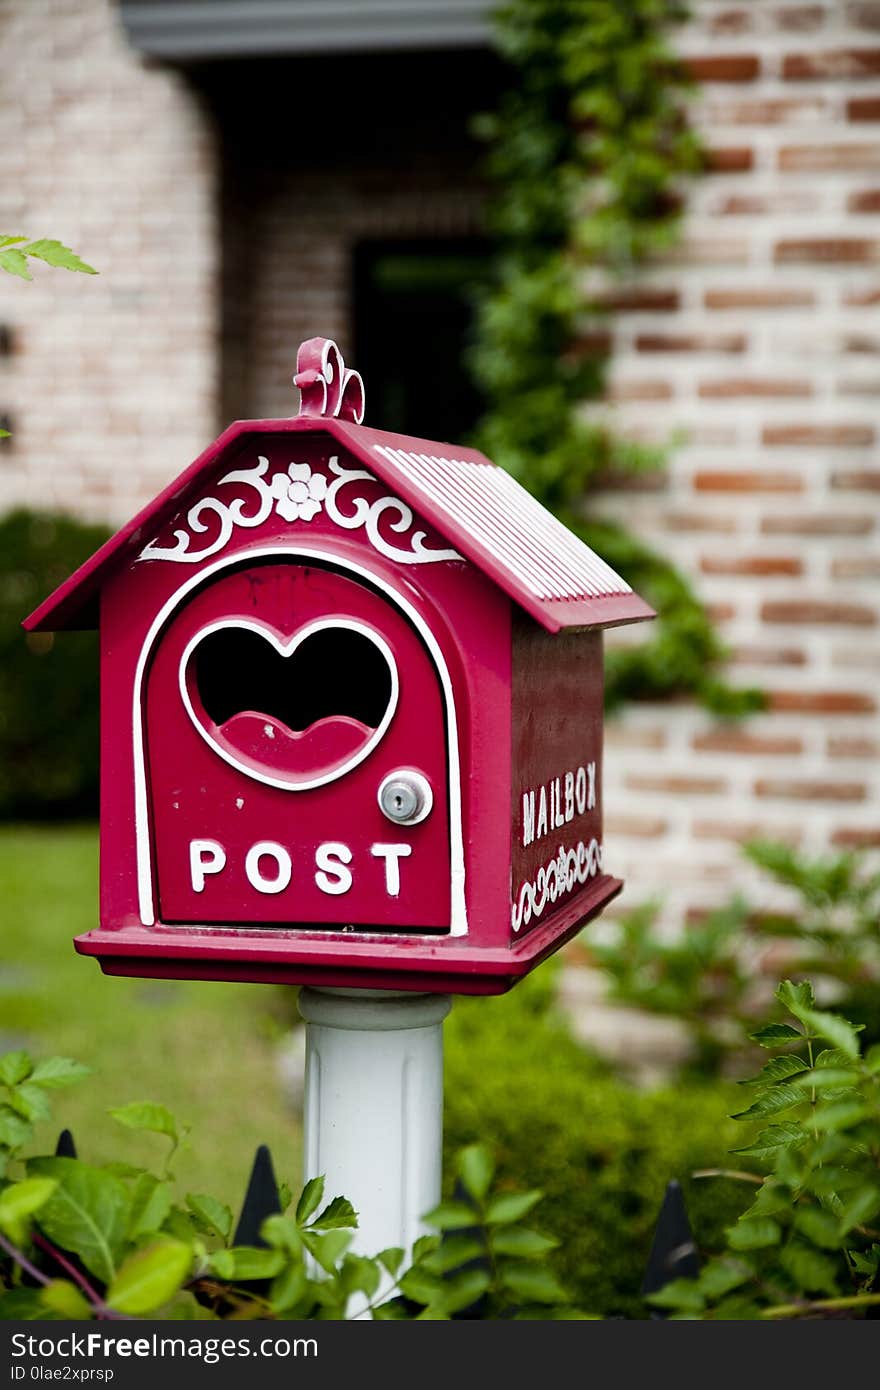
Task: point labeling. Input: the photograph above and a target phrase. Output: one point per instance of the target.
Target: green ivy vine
(588, 150)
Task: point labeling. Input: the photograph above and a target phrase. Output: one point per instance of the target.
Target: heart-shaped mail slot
(292, 712)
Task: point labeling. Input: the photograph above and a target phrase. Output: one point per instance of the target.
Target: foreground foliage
(807, 1245)
(116, 1241)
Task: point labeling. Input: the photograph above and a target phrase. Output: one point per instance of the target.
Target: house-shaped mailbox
(351, 711)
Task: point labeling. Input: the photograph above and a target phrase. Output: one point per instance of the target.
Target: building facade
(243, 183)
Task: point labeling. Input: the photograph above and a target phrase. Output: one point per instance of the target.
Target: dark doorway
(414, 305)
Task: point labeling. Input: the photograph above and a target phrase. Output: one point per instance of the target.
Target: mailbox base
(374, 1106)
(418, 964)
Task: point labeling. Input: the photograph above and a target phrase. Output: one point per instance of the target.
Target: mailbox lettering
(558, 802)
(268, 866)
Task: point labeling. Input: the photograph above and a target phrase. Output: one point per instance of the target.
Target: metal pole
(374, 1106)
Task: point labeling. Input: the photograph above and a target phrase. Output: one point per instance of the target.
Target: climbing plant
(588, 150)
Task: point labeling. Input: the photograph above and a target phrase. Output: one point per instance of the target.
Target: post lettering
(270, 850)
(392, 854)
(205, 857)
(332, 876)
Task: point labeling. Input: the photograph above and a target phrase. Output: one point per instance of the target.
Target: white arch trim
(146, 899)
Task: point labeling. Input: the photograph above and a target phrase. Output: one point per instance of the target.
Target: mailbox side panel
(556, 811)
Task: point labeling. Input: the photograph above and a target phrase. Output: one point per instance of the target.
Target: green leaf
(453, 1252)
(328, 1247)
(836, 1030)
(151, 1201)
(860, 1207)
(288, 1287)
(421, 1286)
(532, 1282)
(774, 1100)
(811, 1271)
(775, 1137)
(30, 1101)
(391, 1259)
(777, 1069)
(831, 1079)
(683, 1295)
(87, 1214)
(772, 1198)
(872, 1059)
(11, 240)
(508, 1207)
(476, 1168)
(721, 1276)
(795, 997)
(244, 1262)
(833, 1116)
(283, 1233)
(423, 1246)
(754, 1233)
(14, 1067)
(310, 1199)
(64, 1298)
(150, 1277)
(213, 1215)
(15, 263)
(451, 1216)
(14, 1130)
(19, 1201)
(360, 1275)
(53, 253)
(464, 1290)
(819, 1226)
(55, 1072)
(519, 1240)
(773, 1034)
(147, 1115)
(338, 1214)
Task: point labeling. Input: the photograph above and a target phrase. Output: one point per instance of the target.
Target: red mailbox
(351, 711)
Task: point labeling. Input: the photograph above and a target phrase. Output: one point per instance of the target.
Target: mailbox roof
(487, 516)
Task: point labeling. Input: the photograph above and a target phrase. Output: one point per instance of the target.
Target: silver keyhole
(405, 797)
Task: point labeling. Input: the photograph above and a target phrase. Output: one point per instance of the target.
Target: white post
(374, 1106)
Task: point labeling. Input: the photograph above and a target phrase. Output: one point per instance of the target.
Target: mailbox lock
(405, 797)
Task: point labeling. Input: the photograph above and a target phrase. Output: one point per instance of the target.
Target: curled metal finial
(328, 387)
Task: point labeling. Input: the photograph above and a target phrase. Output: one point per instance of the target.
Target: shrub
(600, 1151)
(48, 684)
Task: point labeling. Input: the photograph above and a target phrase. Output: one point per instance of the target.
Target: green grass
(205, 1050)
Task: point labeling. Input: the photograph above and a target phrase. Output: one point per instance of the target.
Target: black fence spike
(65, 1148)
(674, 1252)
(260, 1200)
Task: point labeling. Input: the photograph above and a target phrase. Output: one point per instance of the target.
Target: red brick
(731, 387)
(637, 827)
(860, 343)
(864, 16)
(800, 18)
(856, 567)
(764, 204)
(735, 159)
(619, 734)
(739, 740)
(730, 22)
(597, 344)
(819, 436)
(761, 566)
(642, 300)
(857, 837)
(856, 480)
(758, 655)
(765, 111)
(821, 702)
(853, 747)
(759, 299)
(728, 67)
(827, 251)
(646, 480)
(641, 391)
(740, 832)
(721, 612)
(863, 109)
(708, 250)
(678, 785)
(837, 62)
(868, 200)
(818, 611)
(691, 342)
(741, 480)
(862, 299)
(698, 521)
(812, 789)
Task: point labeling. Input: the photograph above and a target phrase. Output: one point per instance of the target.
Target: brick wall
(758, 340)
(110, 385)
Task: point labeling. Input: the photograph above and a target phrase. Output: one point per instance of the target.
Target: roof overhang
(202, 30)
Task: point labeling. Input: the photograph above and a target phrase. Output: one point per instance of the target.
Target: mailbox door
(280, 698)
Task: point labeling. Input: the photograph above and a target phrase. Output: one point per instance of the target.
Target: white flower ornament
(299, 492)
